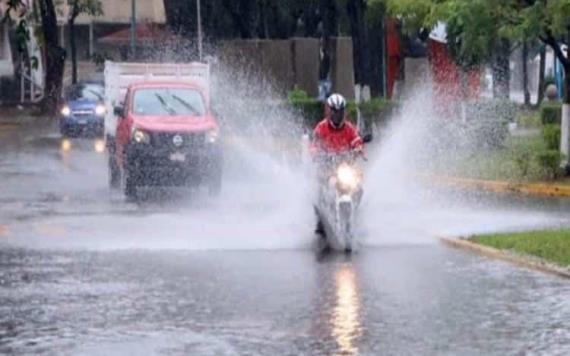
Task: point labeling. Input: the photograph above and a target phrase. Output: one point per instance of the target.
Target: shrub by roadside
(551, 113)
(374, 112)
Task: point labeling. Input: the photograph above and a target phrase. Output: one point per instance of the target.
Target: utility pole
(199, 18)
(133, 27)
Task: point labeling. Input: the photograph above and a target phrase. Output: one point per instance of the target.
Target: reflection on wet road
(84, 272)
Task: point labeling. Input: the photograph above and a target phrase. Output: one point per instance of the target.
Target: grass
(529, 119)
(550, 245)
(515, 161)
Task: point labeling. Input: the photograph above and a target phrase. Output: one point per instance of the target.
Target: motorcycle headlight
(213, 136)
(348, 176)
(100, 110)
(65, 111)
(140, 136)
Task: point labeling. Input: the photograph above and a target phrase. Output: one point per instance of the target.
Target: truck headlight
(140, 136)
(348, 176)
(212, 136)
(100, 110)
(65, 111)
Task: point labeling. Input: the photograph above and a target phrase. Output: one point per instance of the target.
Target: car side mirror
(367, 138)
(119, 111)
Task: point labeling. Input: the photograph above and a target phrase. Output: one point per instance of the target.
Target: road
(85, 272)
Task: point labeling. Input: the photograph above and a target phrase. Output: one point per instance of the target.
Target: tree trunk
(525, 73)
(356, 10)
(565, 125)
(73, 48)
(501, 70)
(376, 47)
(328, 12)
(541, 79)
(55, 57)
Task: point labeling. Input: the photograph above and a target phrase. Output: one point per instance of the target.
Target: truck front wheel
(130, 188)
(214, 182)
(114, 173)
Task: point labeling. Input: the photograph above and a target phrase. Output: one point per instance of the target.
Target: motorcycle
(339, 197)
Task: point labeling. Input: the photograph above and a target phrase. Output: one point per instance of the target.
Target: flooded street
(84, 272)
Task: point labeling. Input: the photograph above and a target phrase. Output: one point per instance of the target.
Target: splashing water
(400, 208)
(267, 197)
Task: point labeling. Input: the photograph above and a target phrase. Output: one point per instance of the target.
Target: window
(168, 101)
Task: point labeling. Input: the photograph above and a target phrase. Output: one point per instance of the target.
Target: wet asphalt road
(84, 272)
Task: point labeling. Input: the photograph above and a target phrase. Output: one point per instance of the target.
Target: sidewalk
(544, 189)
(16, 123)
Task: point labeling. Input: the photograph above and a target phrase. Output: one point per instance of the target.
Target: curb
(537, 189)
(520, 260)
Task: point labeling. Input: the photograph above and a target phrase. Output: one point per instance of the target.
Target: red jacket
(327, 139)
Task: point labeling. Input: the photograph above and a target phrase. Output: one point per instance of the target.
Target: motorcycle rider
(334, 135)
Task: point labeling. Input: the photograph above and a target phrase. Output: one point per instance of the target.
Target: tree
(474, 33)
(78, 7)
(356, 10)
(512, 20)
(54, 56)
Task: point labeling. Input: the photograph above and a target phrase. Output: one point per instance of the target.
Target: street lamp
(199, 21)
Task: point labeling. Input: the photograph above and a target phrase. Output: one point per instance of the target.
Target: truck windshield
(168, 101)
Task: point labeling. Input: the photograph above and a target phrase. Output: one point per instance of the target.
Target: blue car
(83, 111)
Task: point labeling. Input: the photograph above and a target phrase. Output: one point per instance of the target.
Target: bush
(311, 110)
(529, 120)
(551, 113)
(549, 161)
(551, 135)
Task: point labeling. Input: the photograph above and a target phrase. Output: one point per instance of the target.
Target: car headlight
(65, 111)
(140, 136)
(213, 136)
(348, 176)
(100, 110)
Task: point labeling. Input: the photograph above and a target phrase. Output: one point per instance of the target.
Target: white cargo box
(118, 77)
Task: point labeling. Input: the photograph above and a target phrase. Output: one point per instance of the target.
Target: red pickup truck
(166, 135)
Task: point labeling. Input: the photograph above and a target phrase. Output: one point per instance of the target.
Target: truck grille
(83, 112)
(167, 140)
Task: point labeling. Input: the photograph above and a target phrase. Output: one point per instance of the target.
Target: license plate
(177, 157)
(82, 122)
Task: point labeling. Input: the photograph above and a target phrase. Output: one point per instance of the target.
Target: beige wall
(306, 64)
(342, 67)
(289, 63)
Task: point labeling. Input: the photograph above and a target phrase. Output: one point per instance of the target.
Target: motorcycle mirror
(367, 138)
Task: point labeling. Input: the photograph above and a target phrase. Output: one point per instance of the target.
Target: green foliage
(551, 134)
(377, 110)
(522, 158)
(529, 120)
(549, 161)
(551, 113)
(298, 95)
(311, 110)
(87, 7)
